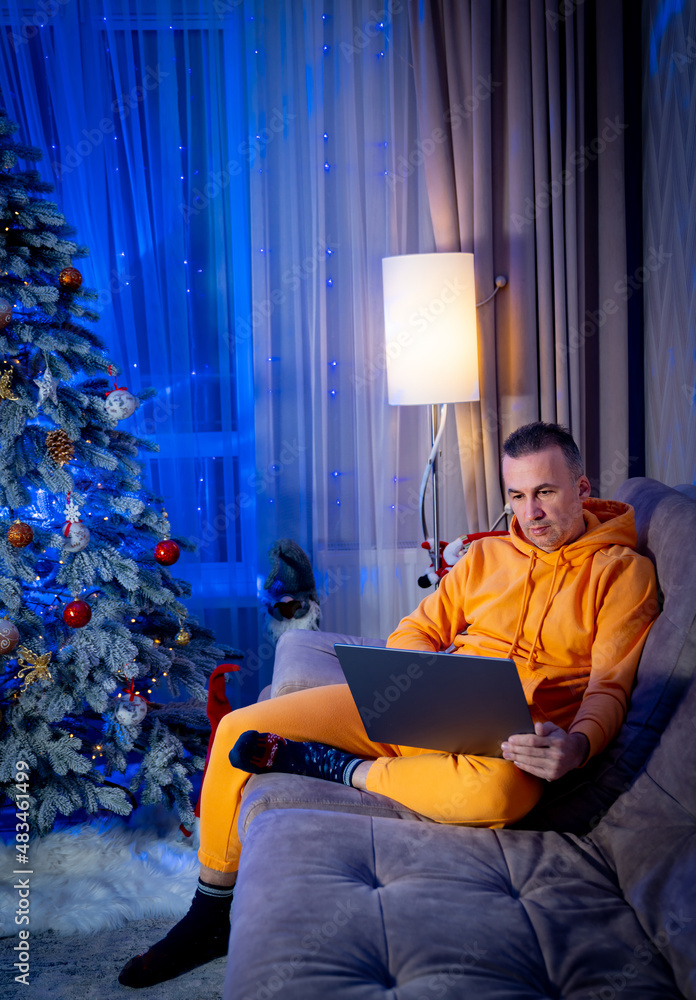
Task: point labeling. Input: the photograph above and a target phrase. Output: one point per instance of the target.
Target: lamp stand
(434, 427)
(437, 418)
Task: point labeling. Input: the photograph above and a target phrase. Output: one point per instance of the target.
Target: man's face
(546, 498)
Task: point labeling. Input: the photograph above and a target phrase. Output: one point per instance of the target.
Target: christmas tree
(91, 621)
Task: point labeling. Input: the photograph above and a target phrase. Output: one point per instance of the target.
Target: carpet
(86, 966)
(101, 875)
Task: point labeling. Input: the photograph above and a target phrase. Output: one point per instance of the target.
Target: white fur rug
(101, 875)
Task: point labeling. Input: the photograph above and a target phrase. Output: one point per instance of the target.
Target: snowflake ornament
(71, 510)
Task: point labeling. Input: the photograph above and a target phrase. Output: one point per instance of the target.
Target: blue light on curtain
(238, 170)
(141, 112)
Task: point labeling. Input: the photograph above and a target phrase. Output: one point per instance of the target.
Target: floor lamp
(431, 346)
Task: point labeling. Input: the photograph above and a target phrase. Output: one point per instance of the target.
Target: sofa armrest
(306, 659)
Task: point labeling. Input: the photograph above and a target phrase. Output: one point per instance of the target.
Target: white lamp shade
(430, 328)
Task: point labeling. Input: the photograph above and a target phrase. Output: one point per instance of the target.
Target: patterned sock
(259, 753)
(199, 937)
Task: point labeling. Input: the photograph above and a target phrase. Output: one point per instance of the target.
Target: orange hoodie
(574, 620)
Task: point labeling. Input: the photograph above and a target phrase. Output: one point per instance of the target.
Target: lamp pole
(434, 427)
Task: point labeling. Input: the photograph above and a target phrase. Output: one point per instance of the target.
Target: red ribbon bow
(131, 691)
(116, 388)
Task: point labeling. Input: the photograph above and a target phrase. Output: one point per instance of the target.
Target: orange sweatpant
(448, 788)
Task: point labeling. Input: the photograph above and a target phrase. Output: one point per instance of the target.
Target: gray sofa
(346, 894)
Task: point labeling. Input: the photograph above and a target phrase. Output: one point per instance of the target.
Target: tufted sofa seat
(358, 905)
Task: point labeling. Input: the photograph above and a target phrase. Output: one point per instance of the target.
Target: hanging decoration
(167, 551)
(6, 386)
(183, 636)
(5, 313)
(9, 636)
(34, 665)
(76, 533)
(60, 447)
(19, 535)
(48, 386)
(120, 403)
(77, 614)
(132, 710)
(70, 279)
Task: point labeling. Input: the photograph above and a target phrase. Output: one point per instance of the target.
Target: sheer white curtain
(337, 184)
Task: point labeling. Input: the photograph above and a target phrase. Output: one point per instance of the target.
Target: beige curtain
(524, 142)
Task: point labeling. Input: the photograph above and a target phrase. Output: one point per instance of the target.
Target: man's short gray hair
(538, 436)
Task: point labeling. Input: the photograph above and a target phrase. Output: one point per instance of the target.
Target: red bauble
(20, 535)
(9, 636)
(77, 614)
(167, 552)
(5, 313)
(70, 278)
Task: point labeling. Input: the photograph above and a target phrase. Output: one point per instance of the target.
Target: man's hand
(549, 754)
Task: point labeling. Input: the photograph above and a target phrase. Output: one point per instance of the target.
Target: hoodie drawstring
(549, 598)
(523, 604)
(523, 607)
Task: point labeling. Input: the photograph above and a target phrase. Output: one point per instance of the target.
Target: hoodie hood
(607, 522)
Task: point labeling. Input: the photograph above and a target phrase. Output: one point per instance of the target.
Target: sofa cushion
(294, 791)
(306, 659)
(664, 519)
(649, 838)
(369, 908)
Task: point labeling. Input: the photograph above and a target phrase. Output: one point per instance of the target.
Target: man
(564, 595)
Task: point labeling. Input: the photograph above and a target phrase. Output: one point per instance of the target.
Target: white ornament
(47, 387)
(130, 713)
(121, 404)
(71, 509)
(77, 538)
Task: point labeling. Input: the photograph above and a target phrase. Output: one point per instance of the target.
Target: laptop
(436, 701)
